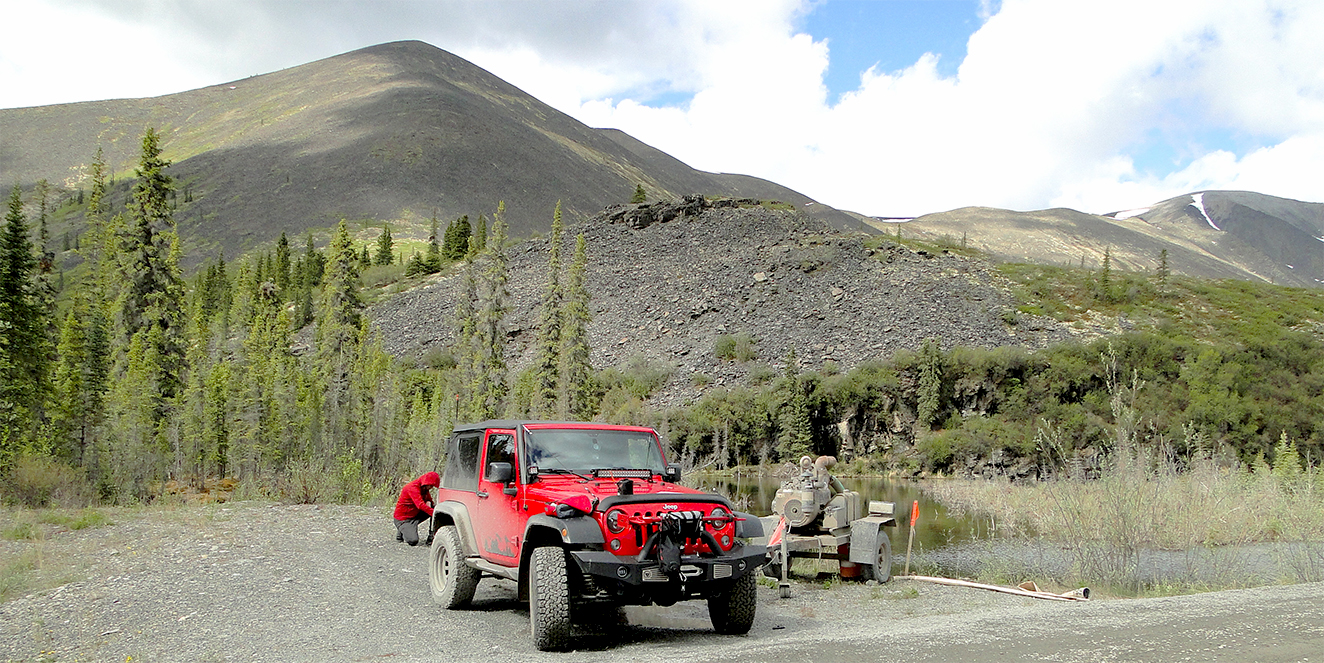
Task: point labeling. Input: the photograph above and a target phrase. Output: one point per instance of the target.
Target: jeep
(579, 514)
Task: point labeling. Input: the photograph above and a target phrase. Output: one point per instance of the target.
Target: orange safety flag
(914, 513)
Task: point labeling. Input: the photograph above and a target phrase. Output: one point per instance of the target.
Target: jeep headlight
(719, 513)
(616, 521)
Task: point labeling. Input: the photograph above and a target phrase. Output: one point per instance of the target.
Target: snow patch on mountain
(1197, 201)
(1126, 214)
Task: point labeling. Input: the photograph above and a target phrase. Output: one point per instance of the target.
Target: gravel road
(261, 582)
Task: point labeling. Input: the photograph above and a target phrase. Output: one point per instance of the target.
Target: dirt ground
(263, 582)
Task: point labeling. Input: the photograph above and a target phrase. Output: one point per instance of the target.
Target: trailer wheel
(549, 599)
(881, 569)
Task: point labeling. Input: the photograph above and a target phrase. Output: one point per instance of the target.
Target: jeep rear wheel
(549, 599)
(732, 611)
(453, 582)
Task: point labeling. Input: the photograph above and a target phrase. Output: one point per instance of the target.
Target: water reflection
(935, 529)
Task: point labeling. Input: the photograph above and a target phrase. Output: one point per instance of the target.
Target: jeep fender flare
(542, 530)
(749, 528)
(577, 531)
(455, 513)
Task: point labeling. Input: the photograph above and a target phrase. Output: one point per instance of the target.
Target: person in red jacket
(415, 506)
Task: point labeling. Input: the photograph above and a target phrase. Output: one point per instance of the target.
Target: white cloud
(1044, 110)
(1051, 105)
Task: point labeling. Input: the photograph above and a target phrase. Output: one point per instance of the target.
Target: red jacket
(413, 502)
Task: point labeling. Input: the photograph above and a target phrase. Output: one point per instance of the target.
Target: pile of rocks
(667, 281)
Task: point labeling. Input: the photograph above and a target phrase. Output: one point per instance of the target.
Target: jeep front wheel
(549, 599)
(732, 611)
(453, 582)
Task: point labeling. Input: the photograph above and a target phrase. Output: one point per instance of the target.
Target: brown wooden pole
(914, 515)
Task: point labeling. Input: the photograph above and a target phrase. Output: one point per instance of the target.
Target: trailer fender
(864, 539)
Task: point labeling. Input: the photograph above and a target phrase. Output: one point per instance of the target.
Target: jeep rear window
(586, 450)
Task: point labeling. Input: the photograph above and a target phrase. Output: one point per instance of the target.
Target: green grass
(1220, 311)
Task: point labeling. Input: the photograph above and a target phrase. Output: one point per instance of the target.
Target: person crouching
(415, 506)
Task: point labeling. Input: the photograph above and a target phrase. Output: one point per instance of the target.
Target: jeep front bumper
(694, 569)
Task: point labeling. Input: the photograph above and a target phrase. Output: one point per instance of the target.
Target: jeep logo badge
(670, 507)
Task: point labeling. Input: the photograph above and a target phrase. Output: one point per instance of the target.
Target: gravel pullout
(260, 582)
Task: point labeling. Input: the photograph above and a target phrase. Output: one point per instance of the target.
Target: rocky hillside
(391, 133)
(667, 280)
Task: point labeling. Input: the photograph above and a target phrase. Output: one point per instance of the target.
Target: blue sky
(890, 35)
(884, 107)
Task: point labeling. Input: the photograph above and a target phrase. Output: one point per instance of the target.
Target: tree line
(148, 382)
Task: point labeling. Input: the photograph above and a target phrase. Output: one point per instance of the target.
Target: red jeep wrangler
(579, 513)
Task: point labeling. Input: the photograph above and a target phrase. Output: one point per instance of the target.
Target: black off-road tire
(881, 569)
(549, 599)
(732, 611)
(452, 581)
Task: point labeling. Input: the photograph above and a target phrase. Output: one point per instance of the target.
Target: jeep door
(498, 522)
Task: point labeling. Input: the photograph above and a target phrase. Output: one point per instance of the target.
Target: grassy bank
(1205, 520)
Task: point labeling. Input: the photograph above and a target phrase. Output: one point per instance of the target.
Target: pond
(935, 529)
(971, 545)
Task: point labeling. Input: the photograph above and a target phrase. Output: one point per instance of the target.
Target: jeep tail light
(616, 521)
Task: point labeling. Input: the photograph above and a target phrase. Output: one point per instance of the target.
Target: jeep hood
(558, 488)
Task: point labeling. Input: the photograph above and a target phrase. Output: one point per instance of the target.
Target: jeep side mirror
(499, 472)
(673, 473)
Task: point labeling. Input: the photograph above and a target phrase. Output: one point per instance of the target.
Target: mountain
(1212, 234)
(391, 133)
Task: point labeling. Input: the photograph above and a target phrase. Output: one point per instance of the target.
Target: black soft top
(513, 424)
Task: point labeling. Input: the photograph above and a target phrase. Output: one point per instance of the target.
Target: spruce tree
(794, 432)
(314, 264)
(385, 247)
(479, 240)
(547, 358)
(98, 246)
(929, 393)
(577, 388)
(24, 344)
(458, 238)
(639, 194)
(338, 334)
(67, 411)
(465, 348)
(489, 386)
(282, 266)
(432, 260)
(152, 298)
(1105, 278)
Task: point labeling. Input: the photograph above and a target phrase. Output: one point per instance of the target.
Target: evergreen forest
(124, 381)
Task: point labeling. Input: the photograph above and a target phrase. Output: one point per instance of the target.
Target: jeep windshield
(583, 450)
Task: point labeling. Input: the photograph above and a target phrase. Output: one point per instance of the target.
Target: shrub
(735, 347)
(40, 481)
(640, 377)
